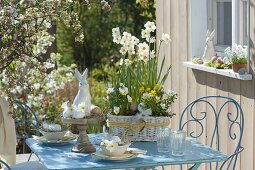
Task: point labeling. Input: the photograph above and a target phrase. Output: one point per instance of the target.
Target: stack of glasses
(171, 141)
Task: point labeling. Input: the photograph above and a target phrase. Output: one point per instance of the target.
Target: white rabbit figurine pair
(209, 51)
(82, 102)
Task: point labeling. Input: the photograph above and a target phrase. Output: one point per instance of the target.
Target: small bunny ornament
(68, 109)
(209, 51)
(83, 95)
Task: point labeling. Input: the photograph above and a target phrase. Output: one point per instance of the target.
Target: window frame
(237, 22)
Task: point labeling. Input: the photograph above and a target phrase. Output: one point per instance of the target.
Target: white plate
(65, 140)
(124, 157)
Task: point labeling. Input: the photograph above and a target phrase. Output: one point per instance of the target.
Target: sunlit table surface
(61, 157)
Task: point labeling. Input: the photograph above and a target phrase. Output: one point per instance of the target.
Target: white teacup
(117, 151)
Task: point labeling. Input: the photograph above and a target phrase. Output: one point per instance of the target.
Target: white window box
(223, 72)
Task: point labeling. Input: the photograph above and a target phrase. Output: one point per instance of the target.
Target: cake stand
(83, 144)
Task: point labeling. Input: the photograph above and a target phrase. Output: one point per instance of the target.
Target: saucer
(123, 157)
(63, 141)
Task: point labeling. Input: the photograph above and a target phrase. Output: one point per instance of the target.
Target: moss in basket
(138, 77)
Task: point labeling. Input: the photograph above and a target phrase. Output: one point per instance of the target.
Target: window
(229, 20)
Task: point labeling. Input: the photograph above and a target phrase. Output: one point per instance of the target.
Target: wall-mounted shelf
(223, 72)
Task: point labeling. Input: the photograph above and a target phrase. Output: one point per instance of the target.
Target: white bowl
(53, 135)
(118, 151)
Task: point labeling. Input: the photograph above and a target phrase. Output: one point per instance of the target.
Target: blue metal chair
(235, 122)
(5, 164)
(26, 123)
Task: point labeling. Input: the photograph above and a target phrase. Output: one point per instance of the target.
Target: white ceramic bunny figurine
(83, 95)
(209, 51)
(68, 110)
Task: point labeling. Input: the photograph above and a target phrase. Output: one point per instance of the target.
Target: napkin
(7, 134)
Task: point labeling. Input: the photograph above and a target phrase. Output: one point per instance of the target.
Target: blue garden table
(61, 157)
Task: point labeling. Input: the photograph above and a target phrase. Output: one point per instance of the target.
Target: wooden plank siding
(173, 18)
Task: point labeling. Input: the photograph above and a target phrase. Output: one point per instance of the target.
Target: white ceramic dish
(53, 135)
(118, 151)
(65, 140)
(124, 157)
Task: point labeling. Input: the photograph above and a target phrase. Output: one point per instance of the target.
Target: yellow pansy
(153, 93)
(141, 90)
(157, 86)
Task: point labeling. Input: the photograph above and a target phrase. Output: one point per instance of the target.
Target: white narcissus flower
(104, 142)
(82, 106)
(152, 54)
(116, 32)
(121, 61)
(131, 51)
(126, 36)
(135, 40)
(143, 47)
(123, 50)
(166, 38)
(111, 146)
(128, 62)
(145, 33)
(116, 110)
(150, 26)
(152, 40)
(129, 99)
(117, 39)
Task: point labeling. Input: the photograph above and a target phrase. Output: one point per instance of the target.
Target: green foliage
(97, 26)
(218, 65)
(241, 60)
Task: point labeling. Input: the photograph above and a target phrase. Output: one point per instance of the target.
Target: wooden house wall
(173, 18)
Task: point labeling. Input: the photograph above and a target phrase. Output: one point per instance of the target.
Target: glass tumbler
(178, 142)
(163, 139)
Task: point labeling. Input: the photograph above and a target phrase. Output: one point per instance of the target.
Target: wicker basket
(148, 133)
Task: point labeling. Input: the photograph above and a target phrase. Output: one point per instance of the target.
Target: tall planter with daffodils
(138, 102)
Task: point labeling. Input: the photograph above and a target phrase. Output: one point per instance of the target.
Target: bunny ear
(212, 34)
(85, 73)
(77, 74)
(207, 33)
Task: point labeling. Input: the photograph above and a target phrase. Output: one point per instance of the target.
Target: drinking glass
(178, 142)
(163, 139)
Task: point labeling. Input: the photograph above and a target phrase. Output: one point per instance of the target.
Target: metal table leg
(194, 167)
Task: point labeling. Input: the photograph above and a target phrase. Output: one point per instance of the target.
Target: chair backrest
(26, 122)
(5, 164)
(234, 121)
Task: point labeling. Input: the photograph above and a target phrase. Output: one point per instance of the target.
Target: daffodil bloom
(148, 89)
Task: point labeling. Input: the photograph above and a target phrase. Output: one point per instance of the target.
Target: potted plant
(137, 99)
(237, 56)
